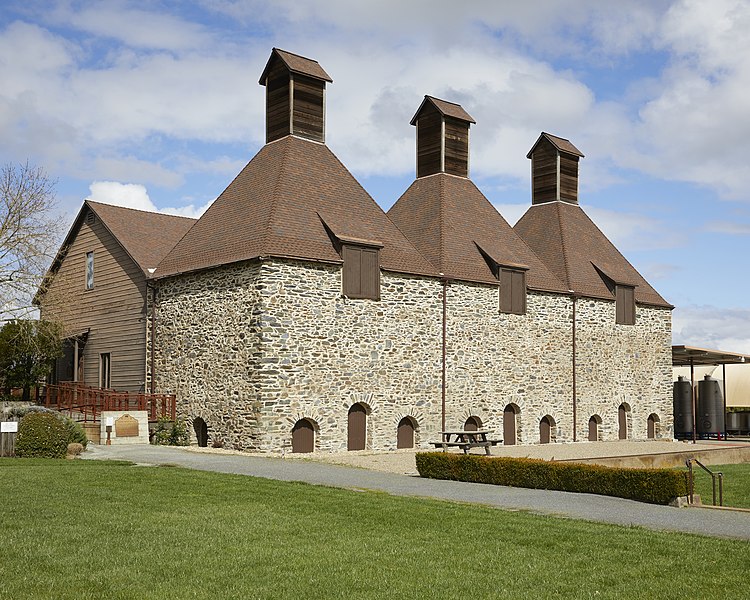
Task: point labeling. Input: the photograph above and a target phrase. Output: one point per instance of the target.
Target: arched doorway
(303, 436)
(357, 428)
(652, 426)
(201, 432)
(623, 415)
(509, 425)
(594, 423)
(473, 424)
(546, 429)
(405, 433)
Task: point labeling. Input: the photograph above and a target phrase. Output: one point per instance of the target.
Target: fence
(88, 402)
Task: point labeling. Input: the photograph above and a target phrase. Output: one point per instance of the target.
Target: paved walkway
(590, 507)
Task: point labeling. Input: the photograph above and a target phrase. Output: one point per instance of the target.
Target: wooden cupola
(554, 170)
(442, 138)
(295, 96)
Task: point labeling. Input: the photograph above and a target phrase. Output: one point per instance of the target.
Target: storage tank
(744, 421)
(734, 422)
(710, 421)
(682, 403)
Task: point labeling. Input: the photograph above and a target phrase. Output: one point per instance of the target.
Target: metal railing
(88, 402)
(689, 462)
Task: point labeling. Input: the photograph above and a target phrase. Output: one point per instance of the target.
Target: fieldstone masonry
(253, 347)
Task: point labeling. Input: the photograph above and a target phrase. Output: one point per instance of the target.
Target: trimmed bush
(656, 486)
(41, 435)
(168, 433)
(76, 433)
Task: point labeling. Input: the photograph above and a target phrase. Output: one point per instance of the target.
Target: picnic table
(466, 440)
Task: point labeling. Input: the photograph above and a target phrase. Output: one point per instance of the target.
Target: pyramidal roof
(452, 224)
(289, 201)
(579, 254)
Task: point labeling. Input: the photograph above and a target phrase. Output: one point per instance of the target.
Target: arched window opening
(623, 421)
(201, 432)
(652, 426)
(303, 436)
(357, 428)
(405, 433)
(473, 424)
(510, 425)
(546, 430)
(594, 423)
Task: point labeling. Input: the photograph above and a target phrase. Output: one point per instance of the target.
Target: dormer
(554, 170)
(442, 138)
(295, 96)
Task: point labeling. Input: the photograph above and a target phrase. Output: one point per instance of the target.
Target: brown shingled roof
(447, 109)
(277, 206)
(448, 219)
(296, 64)
(576, 250)
(146, 236)
(561, 144)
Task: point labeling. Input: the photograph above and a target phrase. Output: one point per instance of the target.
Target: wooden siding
(277, 102)
(308, 120)
(114, 310)
(544, 173)
(361, 272)
(429, 141)
(456, 147)
(569, 178)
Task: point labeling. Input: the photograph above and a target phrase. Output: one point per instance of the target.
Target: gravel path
(590, 507)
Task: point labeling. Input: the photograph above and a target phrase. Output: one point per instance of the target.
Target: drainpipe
(445, 335)
(575, 401)
(152, 317)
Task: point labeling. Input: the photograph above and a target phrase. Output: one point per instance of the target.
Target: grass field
(90, 529)
(736, 484)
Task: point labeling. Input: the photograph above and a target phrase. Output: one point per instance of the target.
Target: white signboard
(110, 421)
(9, 427)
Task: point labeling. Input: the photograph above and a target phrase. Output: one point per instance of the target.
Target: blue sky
(156, 105)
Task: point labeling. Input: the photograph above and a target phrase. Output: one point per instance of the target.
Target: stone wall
(253, 348)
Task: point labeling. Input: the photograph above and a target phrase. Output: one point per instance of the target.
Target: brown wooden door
(303, 436)
(544, 430)
(622, 420)
(405, 434)
(472, 424)
(593, 430)
(357, 430)
(509, 426)
(651, 425)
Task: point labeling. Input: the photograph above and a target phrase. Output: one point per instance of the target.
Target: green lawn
(736, 484)
(89, 529)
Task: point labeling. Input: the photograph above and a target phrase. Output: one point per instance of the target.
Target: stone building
(295, 314)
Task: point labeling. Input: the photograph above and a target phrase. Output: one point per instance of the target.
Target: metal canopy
(686, 356)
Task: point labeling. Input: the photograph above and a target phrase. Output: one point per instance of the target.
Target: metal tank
(682, 403)
(710, 416)
(734, 422)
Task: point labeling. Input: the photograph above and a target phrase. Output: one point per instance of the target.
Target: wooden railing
(89, 402)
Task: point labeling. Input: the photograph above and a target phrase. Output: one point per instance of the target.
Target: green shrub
(657, 486)
(170, 433)
(41, 435)
(76, 433)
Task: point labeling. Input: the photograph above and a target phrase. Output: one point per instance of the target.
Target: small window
(105, 371)
(512, 291)
(625, 301)
(361, 272)
(89, 270)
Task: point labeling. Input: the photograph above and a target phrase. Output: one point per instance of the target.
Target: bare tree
(29, 234)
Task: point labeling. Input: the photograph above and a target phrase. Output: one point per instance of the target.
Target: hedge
(41, 435)
(656, 486)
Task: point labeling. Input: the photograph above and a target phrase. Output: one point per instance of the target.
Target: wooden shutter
(361, 272)
(512, 291)
(625, 301)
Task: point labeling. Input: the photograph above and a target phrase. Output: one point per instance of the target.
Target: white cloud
(712, 327)
(730, 227)
(133, 195)
(632, 231)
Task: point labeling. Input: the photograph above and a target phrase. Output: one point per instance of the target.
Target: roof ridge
(563, 246)
(140, 210)
(275, 193)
